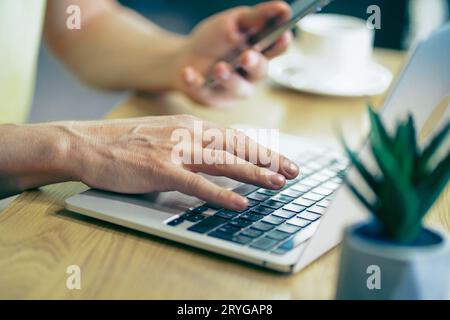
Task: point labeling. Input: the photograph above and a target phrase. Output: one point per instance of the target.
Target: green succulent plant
(408, 181)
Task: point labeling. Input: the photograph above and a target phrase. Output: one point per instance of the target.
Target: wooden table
(39, 239)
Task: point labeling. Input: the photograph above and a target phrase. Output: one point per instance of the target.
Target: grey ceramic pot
(372, 268)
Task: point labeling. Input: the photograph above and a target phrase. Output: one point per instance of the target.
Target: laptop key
(188, 214)
(241, 223)
(289, 228)
(175, 222)
(305, 172)
(230, 237)
(252, 216)
(313, 196)
(196, 218)
(258, 196)
(278, 235)
(304, 202)
(322, 191)
(262, 210)
(200, 209)
(328, 173)
(227, 214)
(311, 182)
(284, 214)
(282, 198)
(241, 239)
(264, 243)
(221, 235)
(268, 192)
(315, 165)
(262, 226)
(319, 176)
(317, 209)
(309, 216)
(208, 224)
(294, 207)
(325, 203)
(332, 184)
(252, 233)
(213, 206)
(252, 203)
(245, 189)
(273, 220)
(299, 222)
(292, 193)
(301, 188)
(279, 251)
(229, 228)
(273, 204)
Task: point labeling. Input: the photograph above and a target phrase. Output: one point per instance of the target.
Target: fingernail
(277, 180)
(251, 59)
(239, 202)
(225, 75)
(189, 76)
(290, 167)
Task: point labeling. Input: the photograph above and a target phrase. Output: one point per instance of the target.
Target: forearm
(32, 156)
(115, 48)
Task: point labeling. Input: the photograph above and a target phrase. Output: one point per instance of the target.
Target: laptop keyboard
(275, 220)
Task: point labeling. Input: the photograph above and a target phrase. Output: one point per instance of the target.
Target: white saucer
(293, 71)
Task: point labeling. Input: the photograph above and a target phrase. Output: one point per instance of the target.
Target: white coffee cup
(336, 44)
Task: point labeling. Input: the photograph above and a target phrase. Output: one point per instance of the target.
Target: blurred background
(59, 96)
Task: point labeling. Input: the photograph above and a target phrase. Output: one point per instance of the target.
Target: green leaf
(367, 176)
(430, 151)
(360, 197)
(405, 148)
(397, 192)
(378, 130)
(435, 183)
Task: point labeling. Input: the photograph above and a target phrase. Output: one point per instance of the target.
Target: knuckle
(254, 173)
(222, 194)
(193, 181)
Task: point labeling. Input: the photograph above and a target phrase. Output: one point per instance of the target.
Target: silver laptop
(287, 229)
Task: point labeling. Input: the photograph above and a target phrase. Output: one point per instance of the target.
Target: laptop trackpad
(162, 205)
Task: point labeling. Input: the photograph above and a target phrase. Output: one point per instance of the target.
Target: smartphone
(264, 39)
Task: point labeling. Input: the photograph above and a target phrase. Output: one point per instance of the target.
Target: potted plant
(394, 256)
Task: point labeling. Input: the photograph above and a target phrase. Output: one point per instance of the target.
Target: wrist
(164, 71)
(55, 152)
(34, 155)
(62, 148)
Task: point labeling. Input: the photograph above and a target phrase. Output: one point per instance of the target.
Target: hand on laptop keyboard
(166, 153)
(275, 220)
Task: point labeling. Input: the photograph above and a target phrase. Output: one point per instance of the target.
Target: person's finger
(255, 18)
(222, 163)
(280, 45)
(254, 64)
(229, 83)
(193, 84)
(191, 78)
(242, 146)
(248, 149)
(195, 185)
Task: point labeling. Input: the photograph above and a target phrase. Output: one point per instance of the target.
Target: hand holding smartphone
(264, 39)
